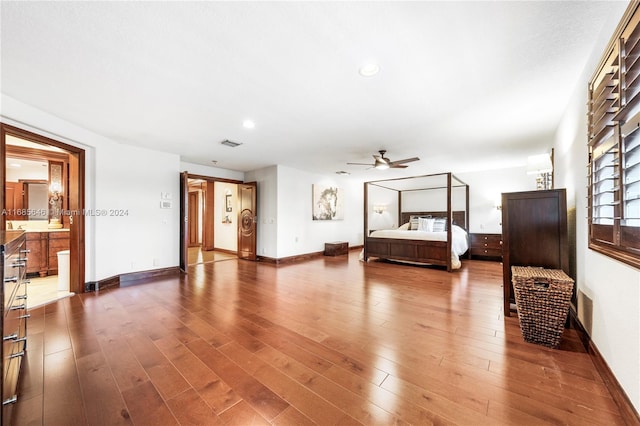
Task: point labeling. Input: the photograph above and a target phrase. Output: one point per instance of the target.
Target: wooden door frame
(194, 202)
(74, 193)
(184, 224)
(184, 201)
(208, 226)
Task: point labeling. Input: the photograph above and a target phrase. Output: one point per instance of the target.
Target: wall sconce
(56, 205)
(498, 203)
(379, 208)
(541, 166)
(55, 189)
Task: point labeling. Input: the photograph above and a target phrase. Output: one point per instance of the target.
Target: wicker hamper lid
(539, 272)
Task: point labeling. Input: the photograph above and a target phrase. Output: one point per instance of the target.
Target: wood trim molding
(123, 280)
(299, 257)
(234, 252)
(74, 168)
(627, 410)
(212, 179)
(37, 154)
(290, 259)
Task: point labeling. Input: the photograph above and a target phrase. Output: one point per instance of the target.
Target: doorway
(52, 193)
(210, 210)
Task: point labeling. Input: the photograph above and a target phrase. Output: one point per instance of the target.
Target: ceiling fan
(382, 163)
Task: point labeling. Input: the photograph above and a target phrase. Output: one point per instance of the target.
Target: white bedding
(459, 240)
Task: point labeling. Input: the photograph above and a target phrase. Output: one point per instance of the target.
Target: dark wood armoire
(534, 233)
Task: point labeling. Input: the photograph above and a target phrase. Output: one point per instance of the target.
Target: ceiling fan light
(381, 164)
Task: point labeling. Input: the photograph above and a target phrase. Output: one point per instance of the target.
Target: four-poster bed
(432, 213)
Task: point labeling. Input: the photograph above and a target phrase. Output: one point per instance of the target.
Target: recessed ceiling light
(369, 70)
(343, 173)
(248, 124)
(14, 165)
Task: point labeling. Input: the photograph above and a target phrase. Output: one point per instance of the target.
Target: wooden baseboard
(290, 259)
(123, 280)
(299, 257)
(233, 252)
(627, 410)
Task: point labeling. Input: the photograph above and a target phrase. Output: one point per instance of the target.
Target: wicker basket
(542, 299)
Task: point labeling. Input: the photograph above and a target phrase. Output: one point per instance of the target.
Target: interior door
(184, 222)
(193, 213)
(247, 223)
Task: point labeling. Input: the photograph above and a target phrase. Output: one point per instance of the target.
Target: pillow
(405, 226)
(440, 224)
(426, 224)
(414, 220)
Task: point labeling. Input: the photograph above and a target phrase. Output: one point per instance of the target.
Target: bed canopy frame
(440, 186)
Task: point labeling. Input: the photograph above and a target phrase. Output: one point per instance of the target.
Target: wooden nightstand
(336, 248)
(486, 246)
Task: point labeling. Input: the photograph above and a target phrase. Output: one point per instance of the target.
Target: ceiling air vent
(227, 142)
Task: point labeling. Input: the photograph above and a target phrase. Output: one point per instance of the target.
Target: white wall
(608, 290)
(267, 231)
(485, 190)
(225, 234)
(285, 224)
(388, 198)
(148, 236)
(297, 232)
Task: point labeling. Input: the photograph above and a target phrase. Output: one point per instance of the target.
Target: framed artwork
(328, 202)
(228, 206)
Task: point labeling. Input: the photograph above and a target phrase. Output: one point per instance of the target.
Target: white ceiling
(462, 85)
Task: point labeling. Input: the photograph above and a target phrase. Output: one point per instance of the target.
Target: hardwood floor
(197, 255)
(328, 341)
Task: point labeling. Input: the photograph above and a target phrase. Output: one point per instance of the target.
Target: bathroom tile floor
(41, 291)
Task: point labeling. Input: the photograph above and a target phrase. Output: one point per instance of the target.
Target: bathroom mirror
(27, 190)
(36, 196)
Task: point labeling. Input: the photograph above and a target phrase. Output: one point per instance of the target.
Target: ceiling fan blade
(406, 160)
(360, 164)
(397, 166)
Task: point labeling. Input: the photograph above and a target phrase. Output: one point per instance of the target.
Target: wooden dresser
(534, 233)
(14, 316)
(485, 246)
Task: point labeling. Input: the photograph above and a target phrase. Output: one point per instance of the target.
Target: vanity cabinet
(43, 251)
(37, 246)
(14, 316)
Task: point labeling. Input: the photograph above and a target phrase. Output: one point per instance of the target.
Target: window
(614, 146)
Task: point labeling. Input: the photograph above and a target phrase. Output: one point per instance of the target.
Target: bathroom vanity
(43, 246)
